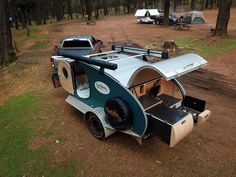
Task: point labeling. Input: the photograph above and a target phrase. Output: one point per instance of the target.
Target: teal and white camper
(134, 91)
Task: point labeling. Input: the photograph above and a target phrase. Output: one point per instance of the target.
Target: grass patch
(39, 45)
(207, 48)
(23, 39)
(2, 82)
(35, 34)
(48, 133)
(19, 122)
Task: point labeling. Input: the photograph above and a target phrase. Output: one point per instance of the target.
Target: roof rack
(108, 64)
(134, 50)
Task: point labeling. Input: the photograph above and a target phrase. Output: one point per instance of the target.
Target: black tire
(96, 127)
(118, 113)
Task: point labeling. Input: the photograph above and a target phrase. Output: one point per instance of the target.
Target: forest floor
(41, 135)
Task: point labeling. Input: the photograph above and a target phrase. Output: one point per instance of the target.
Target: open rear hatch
(178, 66)
(170, 118)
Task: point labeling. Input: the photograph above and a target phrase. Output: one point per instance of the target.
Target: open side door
(179, 66)
(65, 76)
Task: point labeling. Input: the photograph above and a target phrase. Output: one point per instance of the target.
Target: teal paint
(97, 99)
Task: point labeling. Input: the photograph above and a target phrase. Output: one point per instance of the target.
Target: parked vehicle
(76, 45)
(172, 19)
(146, 15)
(133, 91)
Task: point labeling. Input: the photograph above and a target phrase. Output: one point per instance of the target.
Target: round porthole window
(65, 72)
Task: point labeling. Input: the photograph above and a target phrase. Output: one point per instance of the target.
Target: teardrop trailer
(134, 91)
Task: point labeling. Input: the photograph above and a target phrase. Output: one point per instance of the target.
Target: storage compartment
(149, 101)
(194, 103)
(169, 124)
(196, 107)
(157, 91)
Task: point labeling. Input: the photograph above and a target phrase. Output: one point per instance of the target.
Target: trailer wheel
(96, 127)
(118, 113)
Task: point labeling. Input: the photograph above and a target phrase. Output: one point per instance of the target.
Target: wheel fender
(99, 112)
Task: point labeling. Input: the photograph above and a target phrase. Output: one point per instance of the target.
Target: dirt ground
(208, 151)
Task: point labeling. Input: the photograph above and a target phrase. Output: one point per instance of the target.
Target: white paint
(102, 88)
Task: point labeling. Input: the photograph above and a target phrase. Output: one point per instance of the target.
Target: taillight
(52, 62)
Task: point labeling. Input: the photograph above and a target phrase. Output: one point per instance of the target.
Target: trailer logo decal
(102, 88)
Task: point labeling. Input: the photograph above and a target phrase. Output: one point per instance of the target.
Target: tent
(146, 13)
(194, 17)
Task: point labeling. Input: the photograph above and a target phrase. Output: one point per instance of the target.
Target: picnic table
(181, 26)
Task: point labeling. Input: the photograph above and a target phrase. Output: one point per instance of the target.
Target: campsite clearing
(61, 143)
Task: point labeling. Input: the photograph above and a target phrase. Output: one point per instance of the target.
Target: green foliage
(39, 45)
(37, 38)
(207, 48)
(19, 121)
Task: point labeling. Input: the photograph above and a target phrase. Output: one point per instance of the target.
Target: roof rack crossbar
(102, 53)
(134, 56)
(134, 50)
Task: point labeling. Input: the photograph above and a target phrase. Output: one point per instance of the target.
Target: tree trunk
(128, 8)
(117, 6)
(207, 4)
(59, 9)
(211, 4)
(202, 4)
(69, 9)
(218, 3)
(76, 9)
(140, 4)
(146, 4)
(166, 13)
(82, 7)
(105, 8)
(89, 9)
(163, 4)
(37, 13)
(97, 9)
(24, 21)
(175, 5)
(15, 15)
(223, 18)
(193, 4)
(7, 53)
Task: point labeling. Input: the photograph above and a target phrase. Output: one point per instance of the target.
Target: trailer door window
(82, 83)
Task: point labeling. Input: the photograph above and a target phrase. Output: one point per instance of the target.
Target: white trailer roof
(142, 12)
(169, 69)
